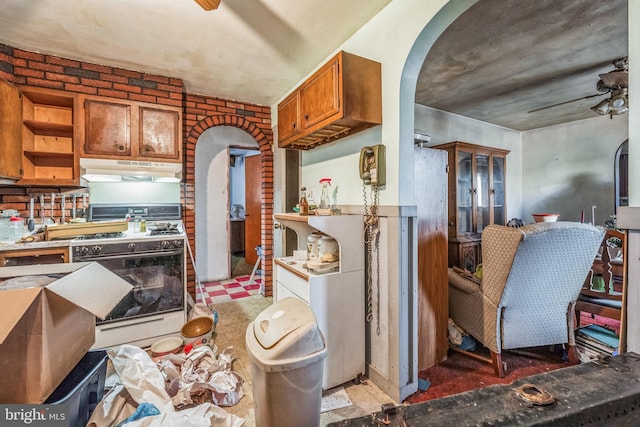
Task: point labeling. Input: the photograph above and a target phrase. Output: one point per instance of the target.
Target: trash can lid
(289, 328)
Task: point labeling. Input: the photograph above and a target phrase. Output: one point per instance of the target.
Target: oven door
(157, 279)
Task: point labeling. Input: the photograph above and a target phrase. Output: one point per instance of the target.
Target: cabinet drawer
(283, 292)
(294, 283)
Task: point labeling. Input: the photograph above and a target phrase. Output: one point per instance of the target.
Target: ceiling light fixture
(616, 105)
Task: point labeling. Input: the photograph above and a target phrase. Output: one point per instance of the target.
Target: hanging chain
(371, 233)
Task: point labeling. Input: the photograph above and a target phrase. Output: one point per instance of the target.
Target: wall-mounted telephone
(373, 173)
(372, 165)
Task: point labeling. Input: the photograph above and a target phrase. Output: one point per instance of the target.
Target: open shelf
(49, 137)
(49, 128)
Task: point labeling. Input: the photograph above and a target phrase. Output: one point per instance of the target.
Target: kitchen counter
(129, 235)
(34, 245)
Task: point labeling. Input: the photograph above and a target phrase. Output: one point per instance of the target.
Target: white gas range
(153, 261)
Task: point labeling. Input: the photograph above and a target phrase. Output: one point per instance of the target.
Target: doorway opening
(244, 206)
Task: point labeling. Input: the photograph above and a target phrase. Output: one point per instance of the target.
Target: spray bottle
(324, 196)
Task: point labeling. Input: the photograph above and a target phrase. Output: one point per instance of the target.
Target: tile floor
(231, 289)
(233, 318)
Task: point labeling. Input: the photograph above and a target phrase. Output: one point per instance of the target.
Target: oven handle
(126, 256)
(109, 328)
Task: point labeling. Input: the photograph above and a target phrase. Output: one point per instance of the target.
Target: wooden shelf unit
(336, 298)
(49, 154)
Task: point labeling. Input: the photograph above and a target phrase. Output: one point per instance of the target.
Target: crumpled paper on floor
(202, 371)
(203, 415)
(140, 375)
(143, 381)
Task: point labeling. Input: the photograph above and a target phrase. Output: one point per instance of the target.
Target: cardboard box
(46, 330)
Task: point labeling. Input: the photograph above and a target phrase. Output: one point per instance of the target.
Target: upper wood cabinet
(49, 137)
(10, 133)
(477, 198)
(343, 97)
(116, 128)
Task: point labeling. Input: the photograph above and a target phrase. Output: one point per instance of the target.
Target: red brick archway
(202, 113)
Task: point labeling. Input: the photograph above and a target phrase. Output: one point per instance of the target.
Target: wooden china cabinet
(477, 198)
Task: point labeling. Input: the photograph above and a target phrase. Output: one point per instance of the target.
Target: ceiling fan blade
(616, 78)
(208, 4)
(567, 102)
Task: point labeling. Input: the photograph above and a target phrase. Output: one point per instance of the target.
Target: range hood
(108, 170)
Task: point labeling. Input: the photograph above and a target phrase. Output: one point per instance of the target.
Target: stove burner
(164, 231)
(113, 235)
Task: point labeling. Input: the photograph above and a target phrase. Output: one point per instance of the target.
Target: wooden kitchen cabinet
(107, 128)
(342, 98)
(49, 138)
(477, 198)
(10, 132)
(34, 256)
(337, 298)
(115, 128)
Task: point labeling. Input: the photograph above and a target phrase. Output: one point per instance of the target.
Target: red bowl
(545, 217)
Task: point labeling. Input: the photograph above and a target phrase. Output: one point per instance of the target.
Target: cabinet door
(464, 190)
(498, 201)
(289, 118)
(107, 128)
(159, 133)
(10, 131)
(482, 192)
(319, 98)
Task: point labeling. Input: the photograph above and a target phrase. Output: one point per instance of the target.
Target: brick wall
(199, 113)
(203, 112)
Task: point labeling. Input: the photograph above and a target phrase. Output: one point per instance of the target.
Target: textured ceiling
(503, 58)
(499, 60)
(246, 50)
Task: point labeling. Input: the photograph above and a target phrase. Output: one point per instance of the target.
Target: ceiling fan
(208, 4)
(616, 83)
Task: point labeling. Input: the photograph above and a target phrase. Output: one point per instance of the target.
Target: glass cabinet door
(465, 192)
(482, 193)
(498, 190)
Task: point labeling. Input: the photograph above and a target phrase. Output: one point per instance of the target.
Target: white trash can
(287, 352)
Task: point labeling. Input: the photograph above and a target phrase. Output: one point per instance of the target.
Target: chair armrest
(467, 283)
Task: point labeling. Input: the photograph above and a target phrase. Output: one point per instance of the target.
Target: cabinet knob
(293, 125)
(306, 117)
(121, 147)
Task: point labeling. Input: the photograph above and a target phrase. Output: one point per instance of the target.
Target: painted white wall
(633, 283)
(447, 127)
(388, 38)
(570, 168)
(212, 193)
(634, 113)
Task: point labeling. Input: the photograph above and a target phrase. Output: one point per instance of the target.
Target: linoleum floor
(233, 319)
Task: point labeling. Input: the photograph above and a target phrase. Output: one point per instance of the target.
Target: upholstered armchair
(531, 279)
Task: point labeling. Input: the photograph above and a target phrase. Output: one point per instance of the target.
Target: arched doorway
(262, 138)
(213, 192)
